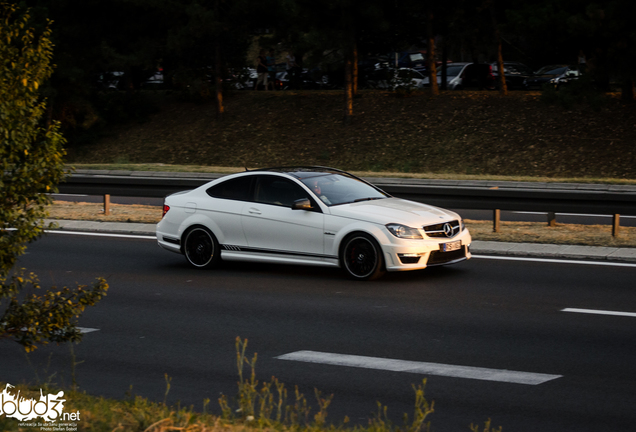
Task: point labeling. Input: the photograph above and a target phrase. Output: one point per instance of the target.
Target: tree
(32, 165)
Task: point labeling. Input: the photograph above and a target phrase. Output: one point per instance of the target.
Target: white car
(312, 216)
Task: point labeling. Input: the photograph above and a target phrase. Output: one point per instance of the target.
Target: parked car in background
(461, 76)
(309, 216)
(242, 78)
(308, 80)
(412, 60)
(566, 78)
(549, 74)
(516, 74)
(392, 79)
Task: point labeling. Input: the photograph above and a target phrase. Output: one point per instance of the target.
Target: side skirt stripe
(272, 251)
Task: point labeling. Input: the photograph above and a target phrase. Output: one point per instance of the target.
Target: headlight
(404, 232)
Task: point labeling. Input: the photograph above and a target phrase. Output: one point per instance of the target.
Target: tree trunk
(350, 54)
(219, 81)
(217, 72)
(444, 64)
(430, 55)
(354, 70)
(503, 88)
(348, 88)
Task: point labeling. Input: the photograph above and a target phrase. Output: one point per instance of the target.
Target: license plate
(450, 246)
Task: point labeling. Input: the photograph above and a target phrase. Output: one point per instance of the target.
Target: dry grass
(520, 232)
(95, 212)
(540, 232)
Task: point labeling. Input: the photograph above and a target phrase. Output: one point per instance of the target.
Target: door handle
(254, 211)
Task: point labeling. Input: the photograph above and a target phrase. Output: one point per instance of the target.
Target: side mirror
(302, 204)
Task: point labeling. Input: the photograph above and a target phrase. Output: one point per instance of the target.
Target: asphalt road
(161, 317)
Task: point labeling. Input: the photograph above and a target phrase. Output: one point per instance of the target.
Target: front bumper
(419, 254)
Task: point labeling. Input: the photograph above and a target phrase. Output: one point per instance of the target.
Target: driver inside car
(318, 191)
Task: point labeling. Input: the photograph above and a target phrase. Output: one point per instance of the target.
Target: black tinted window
(234, 189)
(278, 191)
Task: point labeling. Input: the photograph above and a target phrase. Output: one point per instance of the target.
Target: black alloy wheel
(361, 257)
(201, 248)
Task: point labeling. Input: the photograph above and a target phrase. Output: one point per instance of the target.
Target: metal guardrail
(565, 198)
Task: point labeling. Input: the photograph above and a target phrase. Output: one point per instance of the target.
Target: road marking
(84, 330)
(147, 237)
(600, 312)
(500, 375)
(558, 261)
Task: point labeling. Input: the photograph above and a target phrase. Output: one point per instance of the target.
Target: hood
(394, 210)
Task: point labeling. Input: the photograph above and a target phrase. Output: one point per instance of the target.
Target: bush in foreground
(257, 406)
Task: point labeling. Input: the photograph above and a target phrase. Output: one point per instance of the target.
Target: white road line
(600, 312)
(87, 329)
(500, 375)
(101, 234)
(555, 260)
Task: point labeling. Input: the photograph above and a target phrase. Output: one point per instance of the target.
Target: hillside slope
(457, 132)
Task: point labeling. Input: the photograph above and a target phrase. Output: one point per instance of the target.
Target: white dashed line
(469, 372)
(600, 312)
(84, 330)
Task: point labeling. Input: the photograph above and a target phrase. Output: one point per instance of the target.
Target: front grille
(438, 257)
(438, 230)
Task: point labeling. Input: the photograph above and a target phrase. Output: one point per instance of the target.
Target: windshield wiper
(367, 199)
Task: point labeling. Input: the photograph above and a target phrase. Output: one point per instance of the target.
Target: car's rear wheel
(361, 257)
(201, 248)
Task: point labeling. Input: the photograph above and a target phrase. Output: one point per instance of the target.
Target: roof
(301, 172)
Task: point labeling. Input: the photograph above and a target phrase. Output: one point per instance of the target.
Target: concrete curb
(535, 250)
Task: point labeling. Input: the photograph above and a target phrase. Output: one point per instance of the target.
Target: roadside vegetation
(257, 406)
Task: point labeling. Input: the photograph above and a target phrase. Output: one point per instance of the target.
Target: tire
(201, 248)
(361, 257)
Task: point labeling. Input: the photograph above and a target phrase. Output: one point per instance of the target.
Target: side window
(278, 191)
(234, 189)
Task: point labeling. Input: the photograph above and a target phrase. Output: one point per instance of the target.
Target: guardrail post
(616, 224)
(551, 219)
(106, 204)
(496, 223)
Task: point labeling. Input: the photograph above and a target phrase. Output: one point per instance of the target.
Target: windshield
(454, 70)
(552, 70)
(334, 189)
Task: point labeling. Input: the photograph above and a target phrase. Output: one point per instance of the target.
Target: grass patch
(456, 133)
(562, 234)
(67, 210)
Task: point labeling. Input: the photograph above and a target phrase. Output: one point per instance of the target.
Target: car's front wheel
(361, 257)
(201, 248)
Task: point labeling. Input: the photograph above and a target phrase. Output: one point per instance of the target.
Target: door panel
(270, 223)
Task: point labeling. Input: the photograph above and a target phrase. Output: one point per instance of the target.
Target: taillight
(165, 210)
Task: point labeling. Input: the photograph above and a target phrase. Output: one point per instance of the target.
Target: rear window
(233, 189)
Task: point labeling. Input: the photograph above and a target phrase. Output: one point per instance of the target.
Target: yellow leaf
(24, 82)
